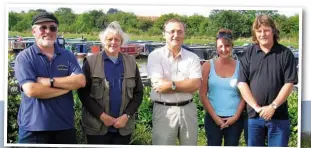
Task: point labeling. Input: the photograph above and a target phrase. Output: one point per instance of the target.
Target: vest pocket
(97, 88)
(130, 84)
(90, 122)
(130, 124)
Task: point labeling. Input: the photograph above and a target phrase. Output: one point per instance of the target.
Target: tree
(95, 14)
(229, 19)
(193, 24)
(113, 11)
(66, 17)
(14, 18)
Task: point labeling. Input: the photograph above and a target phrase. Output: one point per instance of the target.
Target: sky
(145, 10)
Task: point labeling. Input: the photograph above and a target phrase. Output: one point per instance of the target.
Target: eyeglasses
(52, 28)
(179, 32)
(224, 35)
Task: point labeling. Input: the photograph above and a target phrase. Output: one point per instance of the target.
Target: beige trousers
(172, 122)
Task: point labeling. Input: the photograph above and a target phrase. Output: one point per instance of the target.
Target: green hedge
(142, 134)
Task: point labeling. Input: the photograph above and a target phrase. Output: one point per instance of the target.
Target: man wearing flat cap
(46, 74)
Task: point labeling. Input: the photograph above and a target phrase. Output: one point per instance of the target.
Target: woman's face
(224, 48)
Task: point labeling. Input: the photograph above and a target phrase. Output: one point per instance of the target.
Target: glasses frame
(52, 28)
(179, 32)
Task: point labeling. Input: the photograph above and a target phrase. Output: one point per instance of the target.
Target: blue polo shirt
(114, 72)
(45, 114)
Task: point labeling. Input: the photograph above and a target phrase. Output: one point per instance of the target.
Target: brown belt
(175, 104)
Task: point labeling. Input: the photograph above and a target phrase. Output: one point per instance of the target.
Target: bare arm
(188, 85)
(165, 86)
(248, 96)
(71, 82)
(283, 94)
(40, 91)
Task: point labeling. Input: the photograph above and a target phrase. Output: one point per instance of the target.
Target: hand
(44, 81)
(162, 85)
(108, 120)
(228, 121)
(258, 109)
(219, 121)
(267, 112)
(121, 121)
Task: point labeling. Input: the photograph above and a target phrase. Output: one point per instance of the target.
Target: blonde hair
(264, 20)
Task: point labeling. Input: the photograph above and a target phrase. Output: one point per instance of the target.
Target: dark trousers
(109, 138)
(230, 134)
(47, 137)
(277, 132)
(246, 129)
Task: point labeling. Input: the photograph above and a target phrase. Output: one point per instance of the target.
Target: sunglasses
(52, 28)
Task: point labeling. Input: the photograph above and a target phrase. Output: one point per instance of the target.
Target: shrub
(142, 134)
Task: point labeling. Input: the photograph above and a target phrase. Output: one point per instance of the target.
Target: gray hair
(113, 27)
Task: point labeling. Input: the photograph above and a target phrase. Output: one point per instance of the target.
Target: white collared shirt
(161, 64)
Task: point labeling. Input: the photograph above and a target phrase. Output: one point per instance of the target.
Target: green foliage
(293, 116)
(143, 134)
(239, 21)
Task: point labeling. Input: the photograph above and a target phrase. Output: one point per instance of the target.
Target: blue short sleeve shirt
(45, 114)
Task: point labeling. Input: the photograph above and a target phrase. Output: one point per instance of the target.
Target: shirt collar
(57, 50)
(106, 57)
(168, 53)
(274, 48)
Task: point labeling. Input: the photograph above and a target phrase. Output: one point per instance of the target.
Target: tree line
(240, 21)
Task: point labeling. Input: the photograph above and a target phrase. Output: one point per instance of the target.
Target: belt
(175, 104)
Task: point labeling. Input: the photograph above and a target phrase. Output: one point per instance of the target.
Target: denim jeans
(230, 134)
(277, 132)
(47, 137)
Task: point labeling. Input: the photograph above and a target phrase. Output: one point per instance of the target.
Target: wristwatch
(52, 82)
(274, 106)
(173, 85)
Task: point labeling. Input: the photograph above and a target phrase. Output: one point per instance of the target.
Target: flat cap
(44, 17)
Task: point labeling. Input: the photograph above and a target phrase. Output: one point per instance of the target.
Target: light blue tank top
(223, 92)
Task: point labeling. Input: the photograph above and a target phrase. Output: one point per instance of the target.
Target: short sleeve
(290, 69)
(195, 71)
(24, 70)
(244, 68)
(154, 67)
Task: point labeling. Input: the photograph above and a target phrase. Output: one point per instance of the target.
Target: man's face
(113, 42)
(264, 35)
(174, 34)
(45, 33)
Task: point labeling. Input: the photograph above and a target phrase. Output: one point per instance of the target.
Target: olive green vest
(100, 92)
